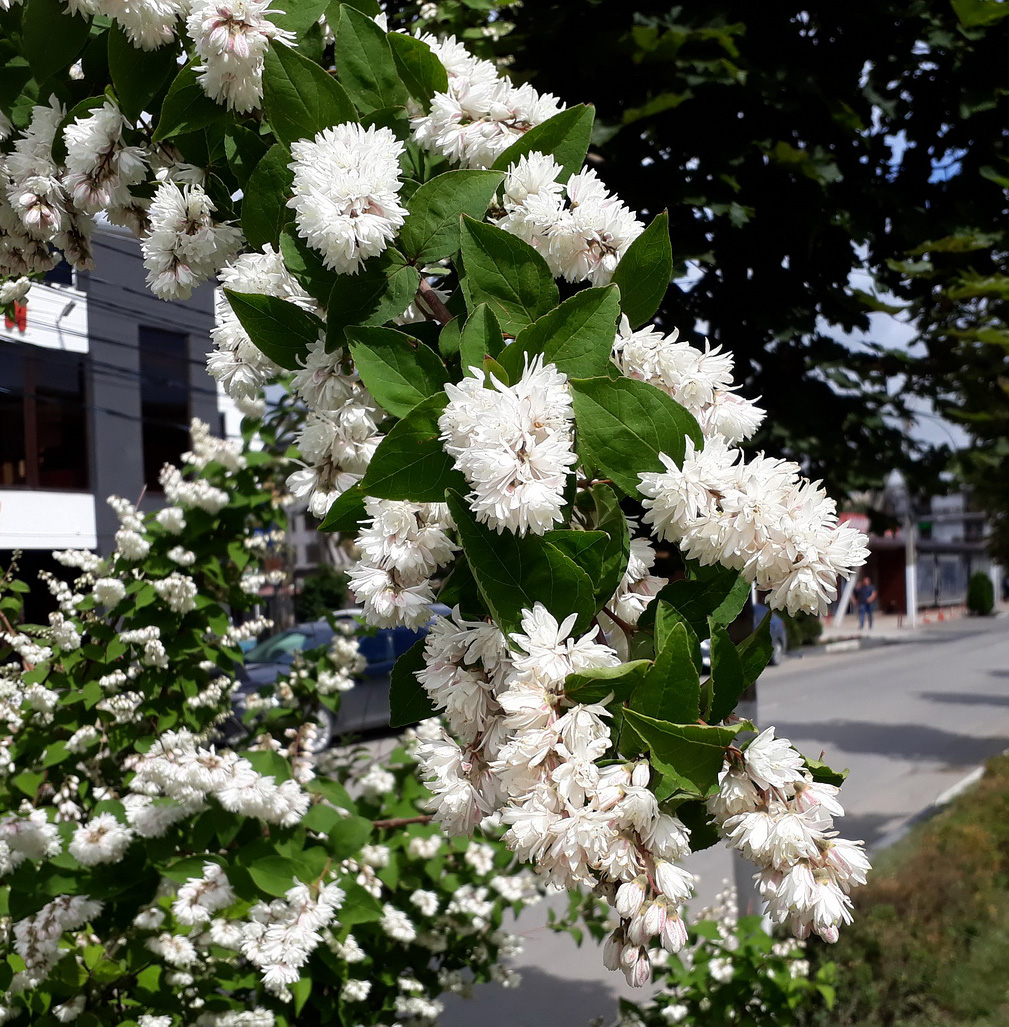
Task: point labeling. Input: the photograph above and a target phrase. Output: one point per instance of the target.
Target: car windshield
(281, 648)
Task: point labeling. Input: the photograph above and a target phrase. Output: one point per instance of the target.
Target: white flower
(172, 519)
(14, 292)
(178, 591)
(550, 653)
(147, 25)
(397, 924)
(101, 840)
(772, 762)
(232, 37)
(426, 901)
(355, 990)
(100, 166)
(109, 591)
(514, 444)
(346, 193)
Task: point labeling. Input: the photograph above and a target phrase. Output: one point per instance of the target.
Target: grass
(930, 942)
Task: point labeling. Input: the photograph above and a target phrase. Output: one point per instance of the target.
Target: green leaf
(666, 618)
(515, 572)
(364, 63)
(755, 650)
(671, 689)
(280, 329)
(408, 700)
(187, 107)
(610, 518)
(359, 907)
(587, 549)
(306, 265)
(299, 98)
(410, 462)
(275, 875)
(243, 150)
(421, 71)
(712, 592)
(264, 206)
(383, 289)
(346, 513)
(507, 274)
(728, 682)
(975, 13)
(431, 231)
(51, 39)
(644, 272)
(826, 775)
(577, 336)
(592, 686)
(347, 837)
(138, 75)
(694, 753)
(299, 15)
(565, 137)
(397, 370)
(481, 337)
(623, 425)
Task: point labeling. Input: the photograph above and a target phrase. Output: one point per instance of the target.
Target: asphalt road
(908, 720)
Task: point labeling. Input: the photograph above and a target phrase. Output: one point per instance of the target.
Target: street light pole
(911, 567)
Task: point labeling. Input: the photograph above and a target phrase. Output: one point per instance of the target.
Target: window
(43, 424)
(62, 274)
(164, 399)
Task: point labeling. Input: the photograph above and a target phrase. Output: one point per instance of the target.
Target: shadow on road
(869, 828)
(898, 741)
(540, 999)
(969, 698)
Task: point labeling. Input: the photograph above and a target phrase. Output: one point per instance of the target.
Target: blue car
(779, 638)
(366, 706)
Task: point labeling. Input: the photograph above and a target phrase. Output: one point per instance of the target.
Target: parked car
(779, 638)
(366, 706)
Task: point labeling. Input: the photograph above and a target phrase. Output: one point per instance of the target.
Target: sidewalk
(893, 627)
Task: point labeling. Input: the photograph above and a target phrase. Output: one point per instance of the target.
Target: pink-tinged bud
(629, 955)
(641, 774)
(673, 881)
(674, 933)
(641, 972)
(612, 949)
(630, 896)
(829, 934)
(636, 931)
(655, 916)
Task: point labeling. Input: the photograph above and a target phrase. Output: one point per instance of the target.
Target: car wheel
(777, 653)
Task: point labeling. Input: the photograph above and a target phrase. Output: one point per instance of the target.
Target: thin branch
(627, 629)
(426, 818)
(431, 301)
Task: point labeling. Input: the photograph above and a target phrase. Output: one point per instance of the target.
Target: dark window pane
(62, 274)
(13, 456)
(61, 427)
(164, 399)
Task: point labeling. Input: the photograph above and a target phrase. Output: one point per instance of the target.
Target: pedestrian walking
(865, 596)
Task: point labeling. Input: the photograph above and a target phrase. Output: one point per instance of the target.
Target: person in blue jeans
(865, 596)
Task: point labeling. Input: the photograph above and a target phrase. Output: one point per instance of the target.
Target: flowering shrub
(732, 971)
(496, 440)
(149, 872)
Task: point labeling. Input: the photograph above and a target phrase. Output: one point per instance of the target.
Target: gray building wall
(119, 303)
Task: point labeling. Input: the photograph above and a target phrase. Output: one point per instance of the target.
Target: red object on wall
(20, 317)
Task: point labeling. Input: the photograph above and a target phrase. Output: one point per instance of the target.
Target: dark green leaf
(715, 591)
(671, 689)
(359, 907)
(396, 369)
(408, 700)
(410, 462)
(728, 682)
(577, 336)
(587, 549)
(515, 572)
(244, 149)
(666, 618)
(51, 38)
(348, 835)
(299, 98)
(623, 425)
(507, 274)
(826, 775)
(138, 75)
(697, 820)
(644, 272)
(306, 265)
(299, 15)
(565, 137)
(755, 651)
(610, 518)
(264, 206)
(187, 107)
(280, 329)
(275, 875)
(422, 73)
(364, 63)
(431, 231)
(592, 686)
(480, 338)
(346, 513)
(383, 289)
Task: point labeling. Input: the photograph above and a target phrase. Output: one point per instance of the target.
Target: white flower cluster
(147, 25)
(580, 228)
(205, 449)
(101, 840)
(760, 517)
(638, 586)
(280, 936)
(481, 114)
(178, 592)
(27, 837)
(100, 166)
(700, 380)
(346, 193)
(769, 807)
(185, 494)
(185, 246)
(402, 544)
(200, 897)
(181, 769)
(514, 444)
(14, 291)
(340, 434)
(232, 37)
(37, 938)
(237, 363)
(530, 754)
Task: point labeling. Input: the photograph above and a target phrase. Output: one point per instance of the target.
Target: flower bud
(655, 915)
(612, 949)
(673, 881)
(639, 973)
(637, 934)
(630, 896)
(629, 955)
(674, 933)
(641, 774)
